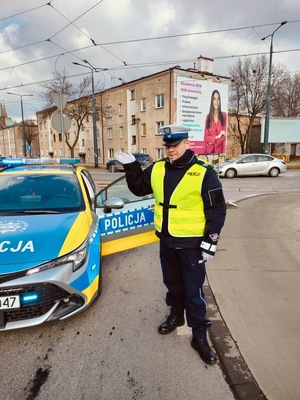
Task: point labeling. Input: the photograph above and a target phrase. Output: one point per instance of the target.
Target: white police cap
(174, 134)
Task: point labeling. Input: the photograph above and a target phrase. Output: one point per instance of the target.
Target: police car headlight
(77, 258)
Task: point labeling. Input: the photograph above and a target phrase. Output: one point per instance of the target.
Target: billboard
(203, 107)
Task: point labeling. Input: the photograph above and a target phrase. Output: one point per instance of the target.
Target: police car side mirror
(113, 203)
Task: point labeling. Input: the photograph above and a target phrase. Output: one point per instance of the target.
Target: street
(234, 189)
(113, 350)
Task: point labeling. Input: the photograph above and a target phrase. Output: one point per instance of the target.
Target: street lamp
(92, 69)
(267, 121)
(23, 122)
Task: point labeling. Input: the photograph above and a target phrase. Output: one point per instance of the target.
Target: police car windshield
(40, 193)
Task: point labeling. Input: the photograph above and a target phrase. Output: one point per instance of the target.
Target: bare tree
(59, 84)
(286, 97)
(30, 130)
(79, 106)
(248, 96)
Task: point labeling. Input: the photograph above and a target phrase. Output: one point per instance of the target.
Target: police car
(54, 228)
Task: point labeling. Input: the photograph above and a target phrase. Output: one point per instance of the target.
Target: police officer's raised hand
(124, 158)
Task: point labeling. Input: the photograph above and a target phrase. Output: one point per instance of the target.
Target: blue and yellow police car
(54, 228)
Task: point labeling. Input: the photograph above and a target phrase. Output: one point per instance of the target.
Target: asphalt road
(113, 350)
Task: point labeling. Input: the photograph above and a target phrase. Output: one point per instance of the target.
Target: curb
(293, 166)
(236, 372)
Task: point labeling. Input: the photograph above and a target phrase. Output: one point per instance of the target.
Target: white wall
(282, 130)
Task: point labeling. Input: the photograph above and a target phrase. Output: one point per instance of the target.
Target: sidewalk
(253, 291)
(293, 165)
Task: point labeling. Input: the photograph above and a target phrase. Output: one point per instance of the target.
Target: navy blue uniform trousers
(184, 276)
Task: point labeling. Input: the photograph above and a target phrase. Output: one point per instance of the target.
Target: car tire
(274, 172)
(230, 173)
(112, 168)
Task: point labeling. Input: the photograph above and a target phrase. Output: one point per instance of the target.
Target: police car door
(125, 220)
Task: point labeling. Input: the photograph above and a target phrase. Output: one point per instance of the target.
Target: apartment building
(129, 116)
(11, 136)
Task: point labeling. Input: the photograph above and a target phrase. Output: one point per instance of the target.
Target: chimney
(205, 65)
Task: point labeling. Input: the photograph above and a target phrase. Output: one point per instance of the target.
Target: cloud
(135, 38)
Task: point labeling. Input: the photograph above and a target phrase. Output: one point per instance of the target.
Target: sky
(130, 39)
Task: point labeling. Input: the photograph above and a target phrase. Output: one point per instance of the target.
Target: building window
(160, 153)
(120, 109)
(159, 101)
(143, 104)
(132, 94)
(109, 112)
(82, 142)
(133, 140)
(110, 133)
(121, 132)
(60, 137)
(159, 124)
(143, 129)
(87, 134)
(97, 115)
(133, 120)
(110, 153)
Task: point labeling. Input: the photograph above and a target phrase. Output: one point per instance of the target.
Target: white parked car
(251, 165)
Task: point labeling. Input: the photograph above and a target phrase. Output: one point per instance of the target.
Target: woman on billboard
(215, 126)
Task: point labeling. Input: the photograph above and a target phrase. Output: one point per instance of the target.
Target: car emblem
(12, 226)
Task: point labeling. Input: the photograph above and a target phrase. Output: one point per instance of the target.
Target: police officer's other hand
(124, 158)
(206, 256)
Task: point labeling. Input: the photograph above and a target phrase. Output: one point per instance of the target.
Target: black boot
(205, 351)
(170, 324)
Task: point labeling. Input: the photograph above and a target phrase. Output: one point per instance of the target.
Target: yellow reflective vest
(185, 210)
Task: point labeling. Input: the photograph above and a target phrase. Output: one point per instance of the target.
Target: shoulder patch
(203, 164)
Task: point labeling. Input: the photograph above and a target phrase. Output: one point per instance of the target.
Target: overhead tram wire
(161, 37)
(131, 41)
(24, 12)
(49, 39)
(143, 65)
(72, 22)
(191, 34)
(80, 30)
(136, 66)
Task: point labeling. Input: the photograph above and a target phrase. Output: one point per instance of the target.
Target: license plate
(9, 302)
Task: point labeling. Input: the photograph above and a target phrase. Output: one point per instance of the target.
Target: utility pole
(267, 121)
(23, 121)
(93, 69)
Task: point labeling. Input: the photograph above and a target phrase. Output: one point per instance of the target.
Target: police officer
(189, 214)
